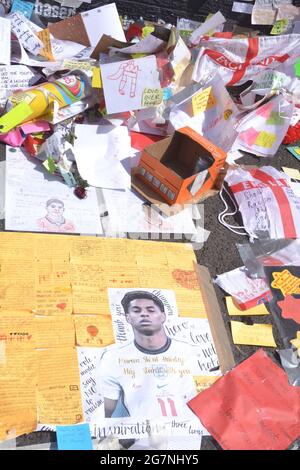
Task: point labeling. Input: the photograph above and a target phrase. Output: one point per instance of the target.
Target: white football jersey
(151, 384)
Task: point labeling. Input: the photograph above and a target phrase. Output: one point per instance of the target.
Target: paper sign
(292, 172)
(24, 7)
(286, 282)
(265, 139)
(152, 97)
(44, 36)
(74, 437)
(15, 116)
(234, 310)
(202, 101)
(255, 335)
(279, 27)
(124, 83)
(243, 411)
(204, 381)
(5, 27)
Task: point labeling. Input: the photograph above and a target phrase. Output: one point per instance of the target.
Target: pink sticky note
(253, 407)
(249, 136)
(38, 126)
(264, 110)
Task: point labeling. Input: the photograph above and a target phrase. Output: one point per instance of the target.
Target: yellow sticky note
(15, 116)
(279, 27)
(44, 36)
(265, 139)
(203, 382)
(94, 330)
(96, 79)
(203, 100)
(58, 391)
(291, 172)
(233, 310)
(252, 335)
(52, 332)
(152, 97)
(147, 30)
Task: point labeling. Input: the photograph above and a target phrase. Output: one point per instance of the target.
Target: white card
(5, 27)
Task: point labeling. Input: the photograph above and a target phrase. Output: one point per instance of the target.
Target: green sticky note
(50, 165)
(17, 115)
(275, 119)
(297, 68)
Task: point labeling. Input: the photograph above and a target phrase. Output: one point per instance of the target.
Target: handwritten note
(16, 77)
(234, 310)
(74, 437)
(152, 97)
(54, 332)
(256, 335)
(92, 330)
(5, 41)
(59, 399)
(202, 101)
(25, 34)
(265, 139)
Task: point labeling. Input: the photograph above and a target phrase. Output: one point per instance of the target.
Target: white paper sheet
(5, 26)
(103, 20)
(28, 189)
(127, 212)
(17, 77)
(98, 151)
(125, 82)
(212, 23)
(20, 26)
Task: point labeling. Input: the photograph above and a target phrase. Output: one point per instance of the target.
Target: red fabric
(253, 407)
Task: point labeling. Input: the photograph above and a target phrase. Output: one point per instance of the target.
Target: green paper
(297, 68)
(15, 117)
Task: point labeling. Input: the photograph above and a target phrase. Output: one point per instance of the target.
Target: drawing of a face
(55, 209)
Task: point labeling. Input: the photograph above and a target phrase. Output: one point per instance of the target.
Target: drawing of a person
(54, 220)
(127, 70)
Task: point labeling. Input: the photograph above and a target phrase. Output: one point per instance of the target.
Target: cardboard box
(178, 169)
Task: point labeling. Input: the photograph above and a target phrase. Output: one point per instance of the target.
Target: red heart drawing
(61, 306)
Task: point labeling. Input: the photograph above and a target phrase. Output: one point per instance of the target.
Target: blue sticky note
(295, 151)
(76, 437)
(26, 8)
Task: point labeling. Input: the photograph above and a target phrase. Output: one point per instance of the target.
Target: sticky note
(152, 97)
(252, 335)
(295, 151)
(203, 382)
(265, 139)
(291, 172)
(249, 136)
(233, 310)
(275, 119)
(26, 8)
(202, 101)
(297, 68)
(279, 27)
(147, 30)
(96, 79)
(15, 116)
(77, 437)
(44, 36)
(50, 165)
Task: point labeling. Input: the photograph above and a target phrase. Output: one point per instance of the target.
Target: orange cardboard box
(178, 169)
